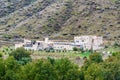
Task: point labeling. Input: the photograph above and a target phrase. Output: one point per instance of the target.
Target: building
(19, 45)
(84, 42)
(63, 46)
(88, 42)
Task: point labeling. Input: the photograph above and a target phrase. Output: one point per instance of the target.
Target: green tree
(21, 55)
(75, 49)
(112, 67)
(94, 72)
(111, 70)
(116, 54)
(67, 70)
(40, 70)
(96, 57)
(93, 58)
(47, 69)
(1, 54)
(9, 69)
(106, 70)
(27, 72)
(2, 69)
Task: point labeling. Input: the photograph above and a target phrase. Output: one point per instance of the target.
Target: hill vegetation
(60, 18)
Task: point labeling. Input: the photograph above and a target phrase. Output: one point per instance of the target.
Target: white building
(85, 42)
(18, 45)
(88, 42)
(34, 45)
(63, 46)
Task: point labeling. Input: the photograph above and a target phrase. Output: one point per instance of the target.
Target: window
(77, 41)
(82, 40)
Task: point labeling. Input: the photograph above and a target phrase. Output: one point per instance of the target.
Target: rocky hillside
(60, 18)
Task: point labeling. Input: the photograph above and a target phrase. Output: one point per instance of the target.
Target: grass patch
(113, 49)
(70, 54)
(85, 54)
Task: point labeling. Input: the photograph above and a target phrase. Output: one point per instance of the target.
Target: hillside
(61, 19)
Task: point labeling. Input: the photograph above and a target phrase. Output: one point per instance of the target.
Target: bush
(1, 55)
(7, 36)
(21, 55)
(75, 49)
(116, 54)
(96, 57)
(116, 45)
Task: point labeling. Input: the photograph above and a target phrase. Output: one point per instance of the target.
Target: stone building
(84, 42)
(88, 42)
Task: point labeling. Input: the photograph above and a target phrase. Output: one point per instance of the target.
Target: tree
(21, 55)
(112, 67)
(2, 69)
(67, 70)
(93, 58)
(75, 49)
(116, 54)
(94, 72)
(111, 70)
(96, 57)
(116, 44)
(96, 69)
(61, 69)
(9, 69)
(40, 70)
(45, 69)
(1, 54)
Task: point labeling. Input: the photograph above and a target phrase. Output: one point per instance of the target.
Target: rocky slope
(60, 18)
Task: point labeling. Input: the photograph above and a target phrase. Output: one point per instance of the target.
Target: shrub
(21, 55)
(1, 55)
